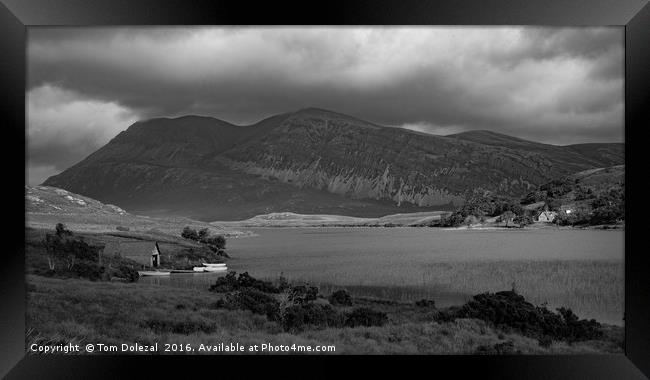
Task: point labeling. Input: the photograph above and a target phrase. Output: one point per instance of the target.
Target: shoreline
(461, 228)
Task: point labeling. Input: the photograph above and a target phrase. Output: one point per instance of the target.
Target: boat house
(155, 256)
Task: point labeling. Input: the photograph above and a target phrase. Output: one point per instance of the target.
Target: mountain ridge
(312, 161)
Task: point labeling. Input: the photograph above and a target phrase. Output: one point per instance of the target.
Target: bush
(523, 219)
(61, 230)
(556, 188)
(225, 284)
(425, 303)
(190, 233)
(364, 316)
(510, 310)
(608, 214)
(231, 282)
(298, 317)
(121, 228)
(341, 297)
(454, 219)
(127, 273)
(215, 242)
(64, 248)
(88, 270)
(576, 218)
(253, 300)
(283, 284)
(303, 294)
(202, 233)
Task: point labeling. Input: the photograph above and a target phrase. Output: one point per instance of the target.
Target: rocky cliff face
(311, 161)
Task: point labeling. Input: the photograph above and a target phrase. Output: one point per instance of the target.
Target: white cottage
(546, 216)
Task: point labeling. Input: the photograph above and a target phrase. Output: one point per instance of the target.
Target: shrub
(88, 270)
(253, 300)
(202, 233)
(523, 219)
(283, 284)
(190, 233)
(576, 218)
(71, 250)
(231, 282)
(607, 214)
(454, 219)
(298, 317)
(302, 294)
(556, 188)
(127, 273)
(576, 329)
(364, 316)
(341, 297)
(62, 231)
(228, 283)
(216, 242)
(121, 228)
(247, 281)
(511, 310)
(425, 303)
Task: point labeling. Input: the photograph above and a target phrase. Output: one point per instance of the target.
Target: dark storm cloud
(553, 85)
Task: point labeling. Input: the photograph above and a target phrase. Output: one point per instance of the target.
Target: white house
(546, 216)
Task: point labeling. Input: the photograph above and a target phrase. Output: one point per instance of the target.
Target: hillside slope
(46, 206)
(311, 161)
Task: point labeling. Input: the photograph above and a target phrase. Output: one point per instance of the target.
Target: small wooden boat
(216, 269)
(214, 265)
(153, 273)
(198, 269)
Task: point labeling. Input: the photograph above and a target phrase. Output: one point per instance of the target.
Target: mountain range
(313, 161)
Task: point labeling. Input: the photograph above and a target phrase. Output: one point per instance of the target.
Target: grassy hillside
(47, 206)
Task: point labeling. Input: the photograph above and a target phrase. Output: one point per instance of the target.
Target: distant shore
(412, 220)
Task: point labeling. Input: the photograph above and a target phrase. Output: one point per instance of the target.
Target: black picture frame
(17, 15)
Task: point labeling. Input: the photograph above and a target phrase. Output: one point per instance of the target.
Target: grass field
(80, 311)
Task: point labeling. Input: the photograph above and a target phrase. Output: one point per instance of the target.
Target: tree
(62, 231)
(190, 233)
(216, 244)
(64, 246)
(203, 234)
(523, 220)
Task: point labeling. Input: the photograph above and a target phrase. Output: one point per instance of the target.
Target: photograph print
(325, 190)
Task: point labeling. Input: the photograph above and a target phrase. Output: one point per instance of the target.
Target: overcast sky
(553, 85)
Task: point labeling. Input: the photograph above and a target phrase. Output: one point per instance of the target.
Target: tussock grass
(74, 310)
(591, 288)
